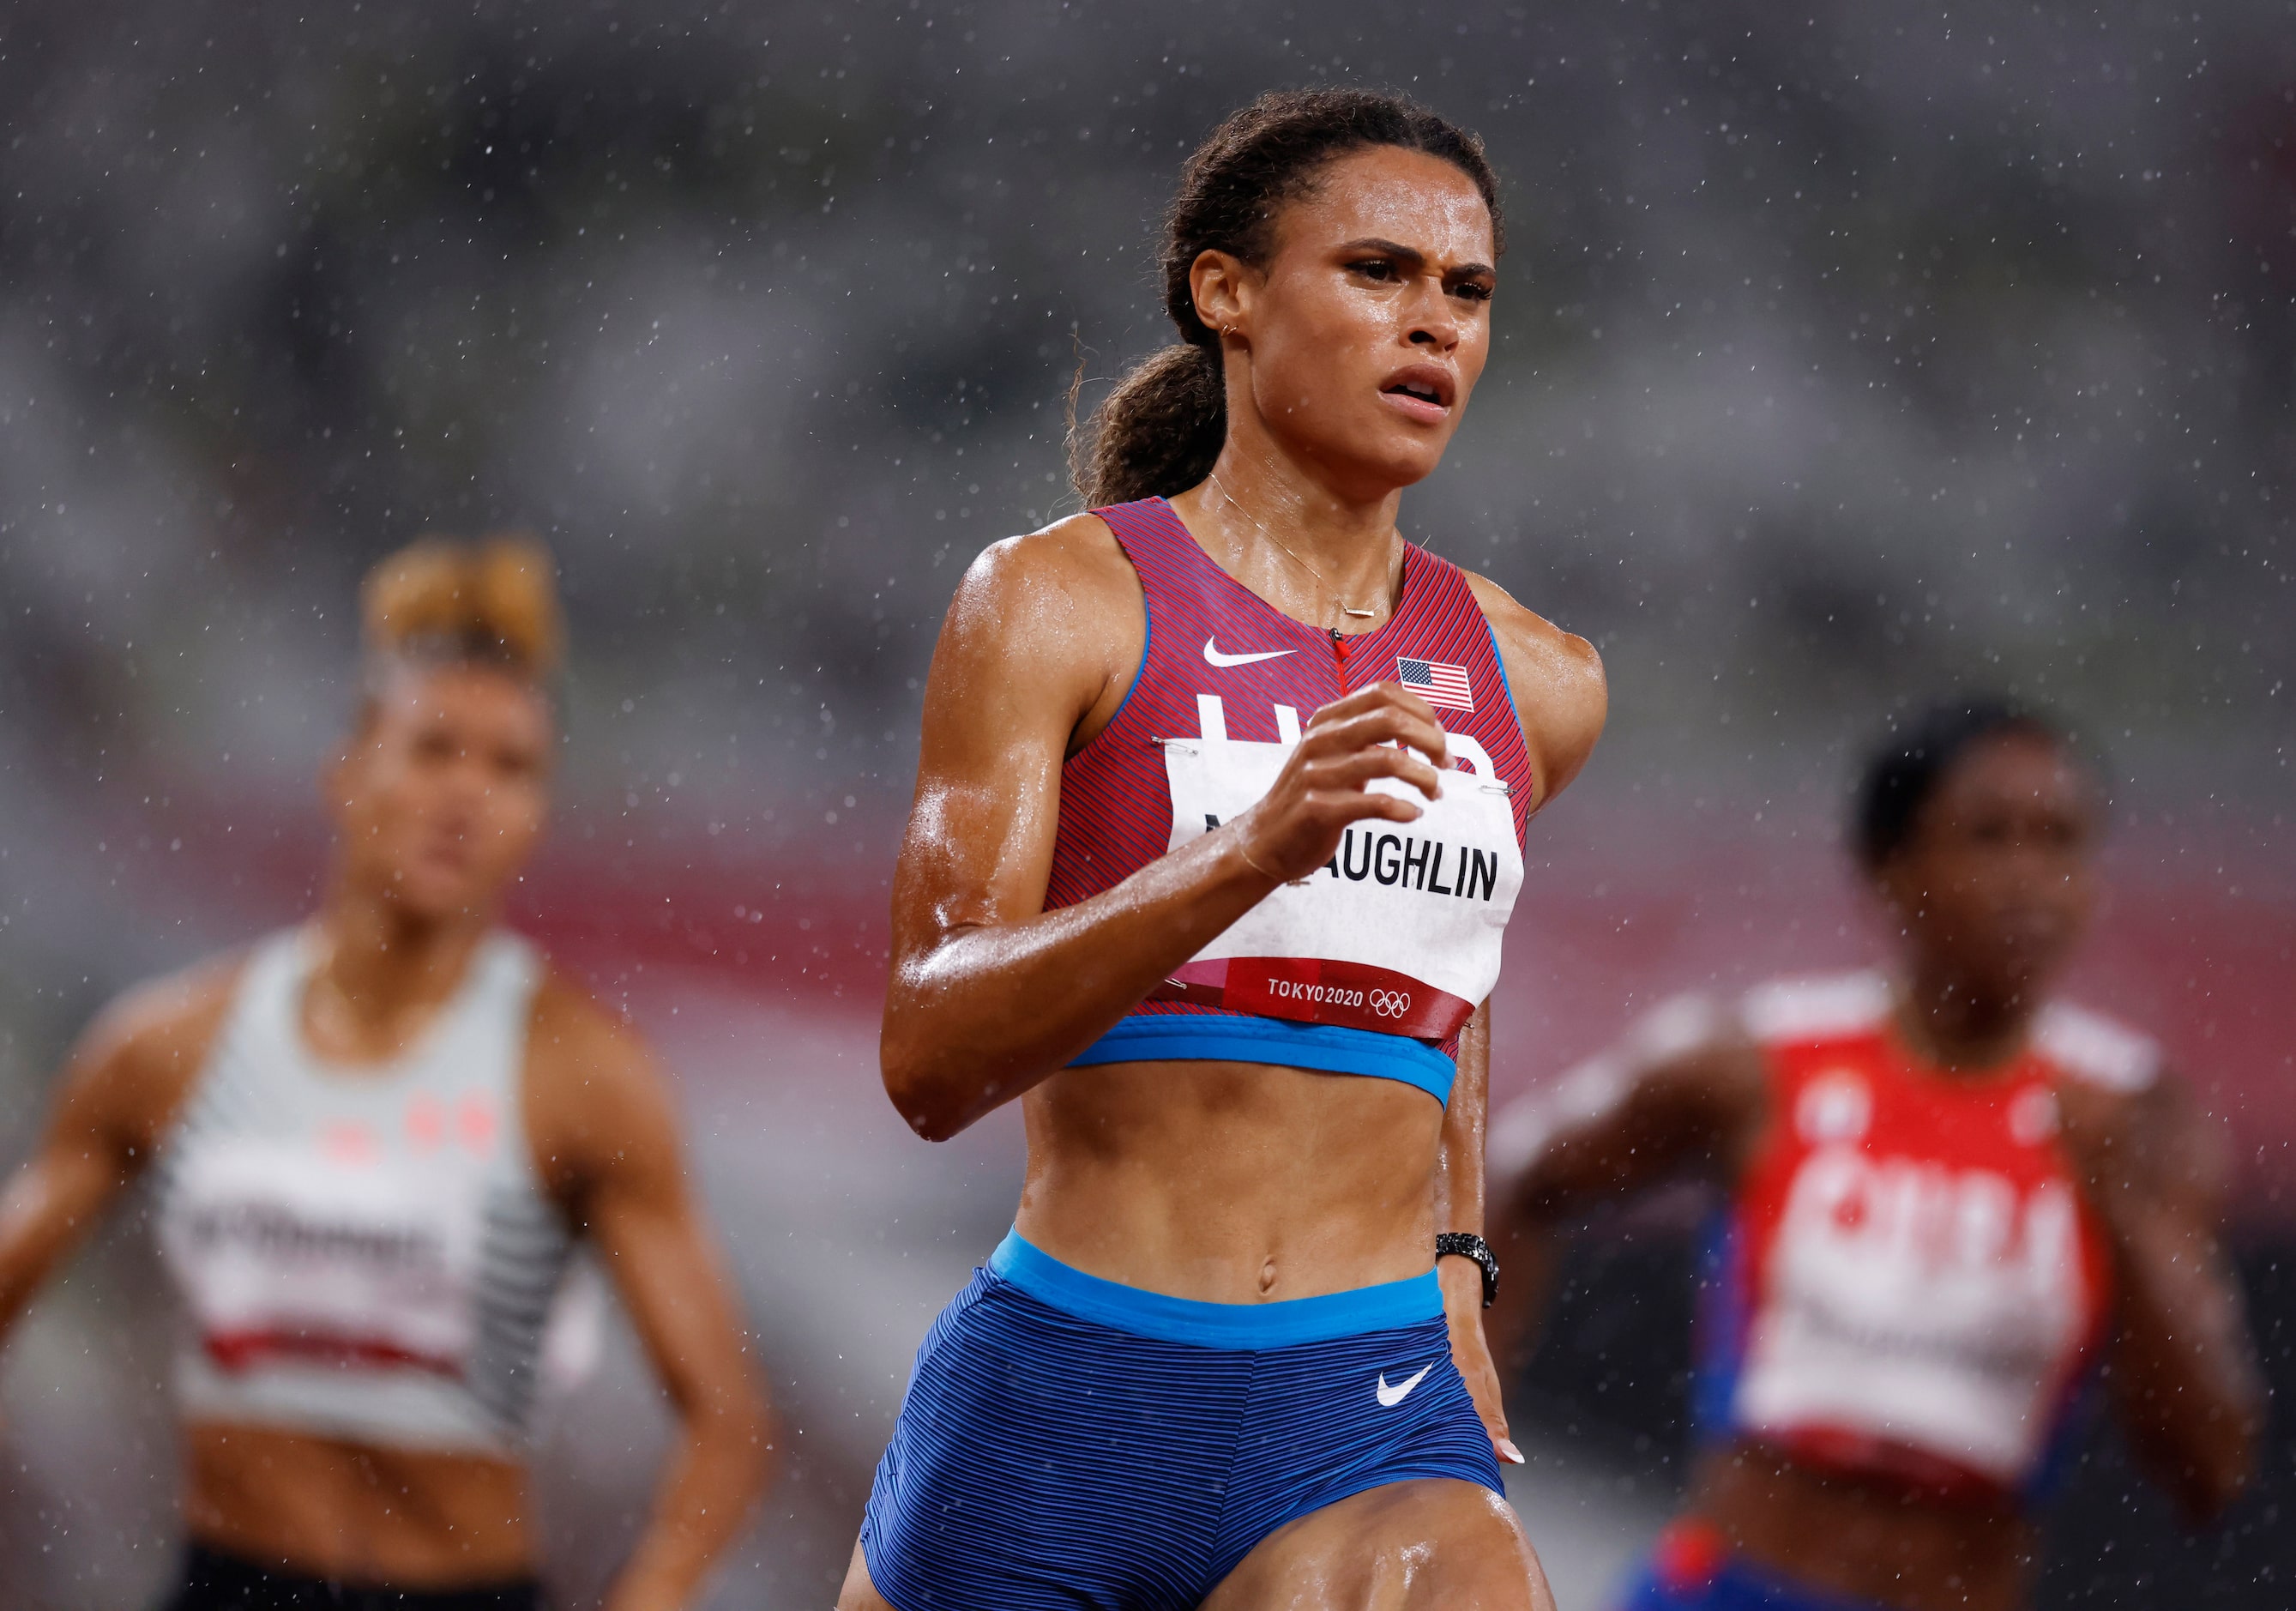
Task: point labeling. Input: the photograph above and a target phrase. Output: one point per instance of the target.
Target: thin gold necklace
(1324, 581)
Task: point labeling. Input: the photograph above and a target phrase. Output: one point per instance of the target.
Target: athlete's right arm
(990, 993)
(1681, 1095)
(121, 1089)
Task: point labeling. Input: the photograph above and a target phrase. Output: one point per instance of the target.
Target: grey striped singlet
(363, 1253)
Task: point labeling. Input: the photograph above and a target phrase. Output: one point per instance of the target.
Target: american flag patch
(1437, 683)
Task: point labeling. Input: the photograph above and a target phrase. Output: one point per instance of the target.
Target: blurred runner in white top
(379, 1136)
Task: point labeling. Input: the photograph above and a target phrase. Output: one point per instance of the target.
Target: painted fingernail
(1509, 1453)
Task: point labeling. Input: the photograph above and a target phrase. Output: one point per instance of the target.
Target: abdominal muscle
(1231, 1182)
(353, 1512)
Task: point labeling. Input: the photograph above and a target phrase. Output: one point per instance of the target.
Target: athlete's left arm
(1556, 679)
(606, 1139)
(1561, 700)
(1459, 1206)
(2182, 1370)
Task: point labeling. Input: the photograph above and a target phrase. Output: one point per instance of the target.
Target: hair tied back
(493, 602)
(1908, 768)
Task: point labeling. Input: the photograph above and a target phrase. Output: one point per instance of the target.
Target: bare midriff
(353, 1512)
(1865, 1540)
(1232, 1182)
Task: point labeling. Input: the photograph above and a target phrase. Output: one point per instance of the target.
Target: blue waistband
(1229, 1036)
(1249, 1326)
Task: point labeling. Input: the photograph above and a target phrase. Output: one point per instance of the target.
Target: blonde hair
(439, 600)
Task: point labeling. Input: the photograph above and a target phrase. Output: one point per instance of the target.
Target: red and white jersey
(1911, 1282)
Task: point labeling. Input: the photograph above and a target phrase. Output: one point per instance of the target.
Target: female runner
(1951, 1203)
(377, 1137)
(1199, 872)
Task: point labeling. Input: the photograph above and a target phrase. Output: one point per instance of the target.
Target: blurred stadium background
(1847, 353)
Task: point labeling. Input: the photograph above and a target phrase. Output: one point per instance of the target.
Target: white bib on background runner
(283, 1255)
(1399, 933)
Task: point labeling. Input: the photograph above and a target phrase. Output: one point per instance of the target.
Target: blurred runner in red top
(1949, 1201)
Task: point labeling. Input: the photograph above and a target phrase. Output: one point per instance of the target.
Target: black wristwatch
(1469, 1245)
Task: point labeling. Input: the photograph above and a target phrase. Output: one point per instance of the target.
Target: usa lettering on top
(1400, 932)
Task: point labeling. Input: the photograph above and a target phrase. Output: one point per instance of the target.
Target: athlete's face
(1369, 323)
(444, 790)
(1995, 886)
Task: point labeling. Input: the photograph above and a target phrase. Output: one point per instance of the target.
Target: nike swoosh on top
(1212, 653)
(1389, 1397)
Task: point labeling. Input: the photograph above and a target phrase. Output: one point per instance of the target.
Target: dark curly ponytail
(1159, 431)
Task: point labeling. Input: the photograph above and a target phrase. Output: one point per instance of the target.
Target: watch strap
(1469, 1245)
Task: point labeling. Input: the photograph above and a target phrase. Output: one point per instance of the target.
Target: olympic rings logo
(1391, 1004)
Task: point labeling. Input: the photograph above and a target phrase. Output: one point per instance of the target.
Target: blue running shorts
(1068, 1441)
(1693, 1570)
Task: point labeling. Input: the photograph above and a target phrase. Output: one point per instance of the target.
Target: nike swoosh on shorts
(1389, 1397)
(1212, 653)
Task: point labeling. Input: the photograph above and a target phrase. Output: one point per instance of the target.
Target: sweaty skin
(1232, 1182)
(437, 801)
(1990, 896)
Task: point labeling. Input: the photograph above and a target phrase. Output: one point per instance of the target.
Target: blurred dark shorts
(213, 1580)
(1693, 1570)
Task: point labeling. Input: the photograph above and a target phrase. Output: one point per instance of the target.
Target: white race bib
(282, 1255)
(1400, 932)
(1917, 1306)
